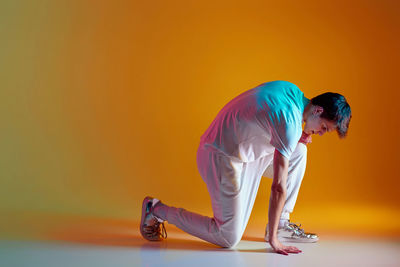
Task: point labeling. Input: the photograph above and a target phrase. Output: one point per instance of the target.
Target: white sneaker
(293, 233)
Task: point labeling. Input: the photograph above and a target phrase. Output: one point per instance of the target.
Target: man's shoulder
(279, 83)
(279, 90)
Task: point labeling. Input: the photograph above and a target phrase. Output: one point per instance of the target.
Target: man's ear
(318, 110)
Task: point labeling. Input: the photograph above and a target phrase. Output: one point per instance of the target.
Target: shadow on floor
(121, 233)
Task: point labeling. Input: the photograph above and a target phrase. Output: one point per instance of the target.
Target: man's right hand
(281, 249)
(305, 138)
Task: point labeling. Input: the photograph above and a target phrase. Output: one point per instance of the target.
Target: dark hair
(336, 109)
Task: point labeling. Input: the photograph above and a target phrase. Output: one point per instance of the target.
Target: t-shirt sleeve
(285, 133)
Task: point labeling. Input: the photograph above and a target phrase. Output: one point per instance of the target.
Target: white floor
(188, 252)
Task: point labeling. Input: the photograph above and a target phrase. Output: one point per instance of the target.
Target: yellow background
(104, 102)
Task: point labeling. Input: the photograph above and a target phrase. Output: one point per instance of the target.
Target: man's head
(327, 112)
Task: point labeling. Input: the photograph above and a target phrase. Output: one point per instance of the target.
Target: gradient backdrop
(104, 102)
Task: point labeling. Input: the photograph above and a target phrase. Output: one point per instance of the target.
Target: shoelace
(162, 231)
(296, 228)
(157, 229)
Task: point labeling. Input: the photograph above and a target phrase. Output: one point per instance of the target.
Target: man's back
(257, 121)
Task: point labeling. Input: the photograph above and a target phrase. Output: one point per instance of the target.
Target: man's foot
(151, 227)
(291, 232)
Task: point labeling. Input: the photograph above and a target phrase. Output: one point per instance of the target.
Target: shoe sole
(294, 240)
(144, 208)
(298, 240)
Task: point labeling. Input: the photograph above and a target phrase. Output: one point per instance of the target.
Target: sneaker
(151, 227)
(292, 232)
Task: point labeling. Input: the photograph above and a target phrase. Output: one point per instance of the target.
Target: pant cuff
(285, 216)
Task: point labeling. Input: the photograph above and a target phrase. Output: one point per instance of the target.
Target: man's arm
(277, 200)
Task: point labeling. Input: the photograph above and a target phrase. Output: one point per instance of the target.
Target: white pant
(233, 187)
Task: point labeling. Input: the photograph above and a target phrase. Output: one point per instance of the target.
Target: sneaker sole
(144, 208)
(298, 240)
(294, 240)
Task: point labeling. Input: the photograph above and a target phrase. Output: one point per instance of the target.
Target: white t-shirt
(258, 121)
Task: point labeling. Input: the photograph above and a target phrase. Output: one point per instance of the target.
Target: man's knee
(302, 148)
(300, 151)
(230, 239)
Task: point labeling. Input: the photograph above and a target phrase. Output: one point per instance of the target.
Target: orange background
(104, 102)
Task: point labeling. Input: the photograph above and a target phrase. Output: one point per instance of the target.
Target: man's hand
(281, 249)
(305, 138)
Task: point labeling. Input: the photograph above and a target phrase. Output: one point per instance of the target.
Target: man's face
(317, 125)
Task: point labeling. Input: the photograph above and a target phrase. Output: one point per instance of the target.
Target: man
(258, 133)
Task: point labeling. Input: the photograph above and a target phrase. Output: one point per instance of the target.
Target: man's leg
(297, 168)
(289, 231)
(232, 187)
